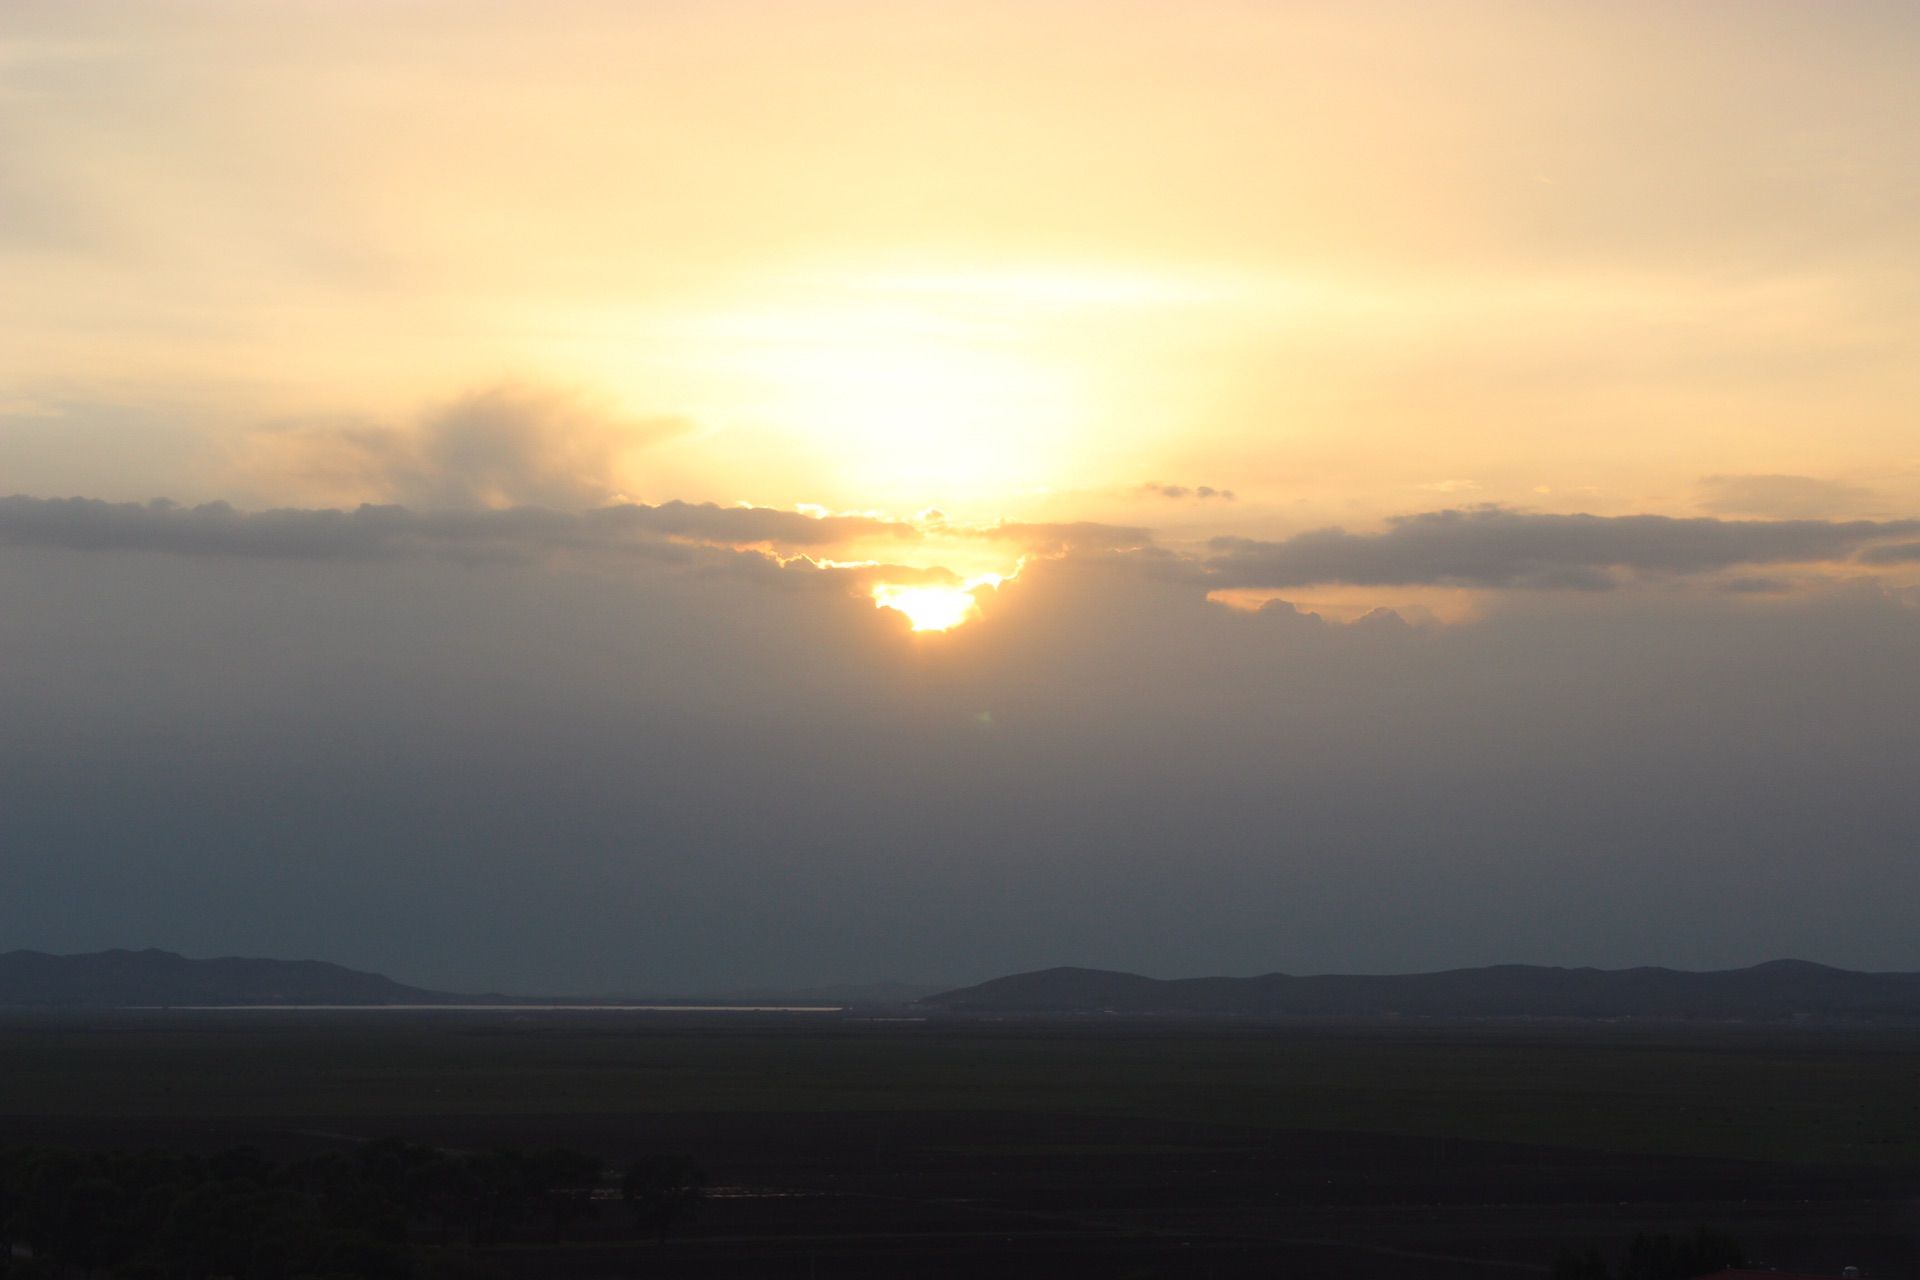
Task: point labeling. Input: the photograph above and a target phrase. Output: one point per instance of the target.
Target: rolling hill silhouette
(1774, 990)
(149, 978)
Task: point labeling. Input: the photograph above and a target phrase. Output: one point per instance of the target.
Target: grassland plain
(853, 1147)
(1847, 1096)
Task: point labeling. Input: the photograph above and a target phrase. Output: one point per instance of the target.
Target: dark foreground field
(844, 1147)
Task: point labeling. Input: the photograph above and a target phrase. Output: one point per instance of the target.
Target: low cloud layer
(1480, 548)
(640, 748)
(1495, 547)
(554, 777)
(1894, 554)
(218, 529)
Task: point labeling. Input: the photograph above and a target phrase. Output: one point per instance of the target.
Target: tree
(1575, 1265)
(568, 1179)
(1656, 1257)
(1670, 1257)
(663, 1191)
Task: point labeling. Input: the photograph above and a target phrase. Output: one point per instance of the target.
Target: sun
(915, 398)
(929, 606)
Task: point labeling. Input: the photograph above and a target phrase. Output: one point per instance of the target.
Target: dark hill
(1777, 989)
(140, 978)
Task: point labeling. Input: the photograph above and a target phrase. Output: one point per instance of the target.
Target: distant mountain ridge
(854, 993)
(153, 978)
(1775, 990)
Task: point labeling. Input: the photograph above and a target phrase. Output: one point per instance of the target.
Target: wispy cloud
(1178, 492)
(504, 446)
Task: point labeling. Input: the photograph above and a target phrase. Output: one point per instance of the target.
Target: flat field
(843, 1146)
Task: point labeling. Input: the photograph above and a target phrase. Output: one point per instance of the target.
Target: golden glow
(973, 263)
(903, 397)
(933, 606)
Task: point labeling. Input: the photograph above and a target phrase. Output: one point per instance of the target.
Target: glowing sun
(930, 606)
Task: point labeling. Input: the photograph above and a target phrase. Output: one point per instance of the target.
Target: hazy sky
(1417, 484)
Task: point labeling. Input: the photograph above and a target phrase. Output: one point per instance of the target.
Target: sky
(666, 497)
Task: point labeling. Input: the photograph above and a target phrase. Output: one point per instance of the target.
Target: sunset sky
(1381, 486)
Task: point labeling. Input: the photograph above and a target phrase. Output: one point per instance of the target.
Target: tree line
(1655, 1257)
(386, 1210)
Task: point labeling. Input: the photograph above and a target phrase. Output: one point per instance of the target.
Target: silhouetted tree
(1655, 1257)
(567, 1180)
(1669, 1257)
(1572, 1264)
(447, 1191)
(240, 1213)
(663, 1191)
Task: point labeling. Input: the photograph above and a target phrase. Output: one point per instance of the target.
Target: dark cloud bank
(373, 531)
(1496, 547)
(630, 775)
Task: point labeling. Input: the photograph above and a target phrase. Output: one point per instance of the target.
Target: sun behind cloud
(932, 606)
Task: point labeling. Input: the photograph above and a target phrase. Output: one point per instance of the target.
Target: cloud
(739, 526)
(1377, 622)
(1781, 496)
(1896, 553)
(1756, 584)
(506, 446)
(369, 531)
(1288, 613)
(1496, 547)
(1485, 547)
(217, 529)
(1060, 537)
(654, 780)
(1202, 492)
